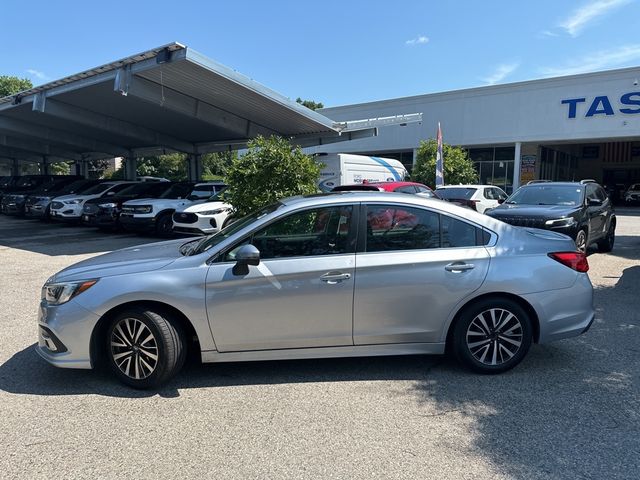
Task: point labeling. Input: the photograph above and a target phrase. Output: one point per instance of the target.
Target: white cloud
(548, 33)
(602, 60)
(500, 73)
(37, 74)
(582, 16)
(419, 40)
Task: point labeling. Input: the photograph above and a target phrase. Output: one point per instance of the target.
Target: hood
(532, 211)
(112, 199)
(203, 207)
(71, 196)
(164, 202)
(137, 259)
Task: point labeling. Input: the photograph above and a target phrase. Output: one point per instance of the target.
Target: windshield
(545, 194)
(178, 190)
(143, 188)
(232, 229)
(96, 189)
(459, 193)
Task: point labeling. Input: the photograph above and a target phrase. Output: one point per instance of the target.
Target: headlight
(561, 222)
(108, 205)
(59, 293)
(75, 201)
(143, 209)
(213, 212)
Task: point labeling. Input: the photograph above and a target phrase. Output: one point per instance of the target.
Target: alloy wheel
(581, 241)
(494, 336)
(134, 348)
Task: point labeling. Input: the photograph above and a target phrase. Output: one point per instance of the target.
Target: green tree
(310, 104)
(172, 166)
(458, 168)
(270, 170)
(60, 168)
(215, 165)
(10, 85)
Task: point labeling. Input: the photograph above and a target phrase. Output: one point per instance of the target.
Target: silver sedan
(336, 275)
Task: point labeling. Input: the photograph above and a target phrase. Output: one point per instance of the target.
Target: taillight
(575, 260)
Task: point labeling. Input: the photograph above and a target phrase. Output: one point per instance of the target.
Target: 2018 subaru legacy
(334, 275)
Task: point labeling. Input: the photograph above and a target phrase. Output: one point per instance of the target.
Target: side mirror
(594, 202)
(245, 256)
(501, 201)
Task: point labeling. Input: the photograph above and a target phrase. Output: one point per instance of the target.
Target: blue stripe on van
(385, 164)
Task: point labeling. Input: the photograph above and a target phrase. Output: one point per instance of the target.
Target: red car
(401, 187)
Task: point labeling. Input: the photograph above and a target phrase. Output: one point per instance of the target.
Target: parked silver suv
(336, 275)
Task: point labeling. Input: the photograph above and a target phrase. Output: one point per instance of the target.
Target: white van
(345, 169)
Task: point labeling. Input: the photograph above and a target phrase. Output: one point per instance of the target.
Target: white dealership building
(566, 128)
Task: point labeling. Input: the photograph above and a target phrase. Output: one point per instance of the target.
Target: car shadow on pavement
(570, 410)
(26, 373)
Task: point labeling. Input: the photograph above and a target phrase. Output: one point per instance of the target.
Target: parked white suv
(154, 215)
(69, 207)
(476, 197)
(209, 217)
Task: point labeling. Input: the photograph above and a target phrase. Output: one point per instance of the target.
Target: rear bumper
(564, 313)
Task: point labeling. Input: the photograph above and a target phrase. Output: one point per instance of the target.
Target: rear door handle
(459, 267)
(333, 277)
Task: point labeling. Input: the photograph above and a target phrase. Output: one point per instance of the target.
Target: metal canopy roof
(166, 99)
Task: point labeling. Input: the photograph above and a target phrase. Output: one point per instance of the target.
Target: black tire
(164, 224)
(606, 244)
(228, 221)
(582, 241)
(138, 335)
(474, 345)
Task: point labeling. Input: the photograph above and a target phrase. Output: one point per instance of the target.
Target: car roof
(467, 186)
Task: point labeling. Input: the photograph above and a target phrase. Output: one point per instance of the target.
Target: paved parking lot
(570, 410)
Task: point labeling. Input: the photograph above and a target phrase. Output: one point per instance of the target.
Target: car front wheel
(145, 348)
(492, 336)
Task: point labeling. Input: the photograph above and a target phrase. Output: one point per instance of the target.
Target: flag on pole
(439, 160)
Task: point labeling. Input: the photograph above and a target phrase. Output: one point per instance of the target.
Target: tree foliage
(215, 165)
(270, 170)
(172, 166)
(310, 104)
(458, 168)
(10, 85)
(60, 168)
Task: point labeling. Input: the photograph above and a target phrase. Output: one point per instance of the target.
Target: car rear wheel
(492, 336)
(145, 348)
(581, 241)
(606, 244)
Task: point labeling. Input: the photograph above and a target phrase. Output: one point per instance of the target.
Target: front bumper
(564, 313)
(35, 210)
(100, 219)
(71, 213)
(64, 334)
(137, 224)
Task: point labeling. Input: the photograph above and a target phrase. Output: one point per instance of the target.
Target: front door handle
(335, 277)
(459, 267)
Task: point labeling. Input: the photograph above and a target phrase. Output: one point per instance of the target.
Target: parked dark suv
(581, 210)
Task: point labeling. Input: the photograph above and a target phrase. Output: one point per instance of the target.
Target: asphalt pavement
(571, 410)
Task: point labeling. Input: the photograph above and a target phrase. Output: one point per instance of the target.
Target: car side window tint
(456, 233)
(601, 194)
(321, 231)
(592, 192)
(488, 193)
(391, 227)
(406, 189)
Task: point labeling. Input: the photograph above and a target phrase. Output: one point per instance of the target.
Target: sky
(332, 52)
